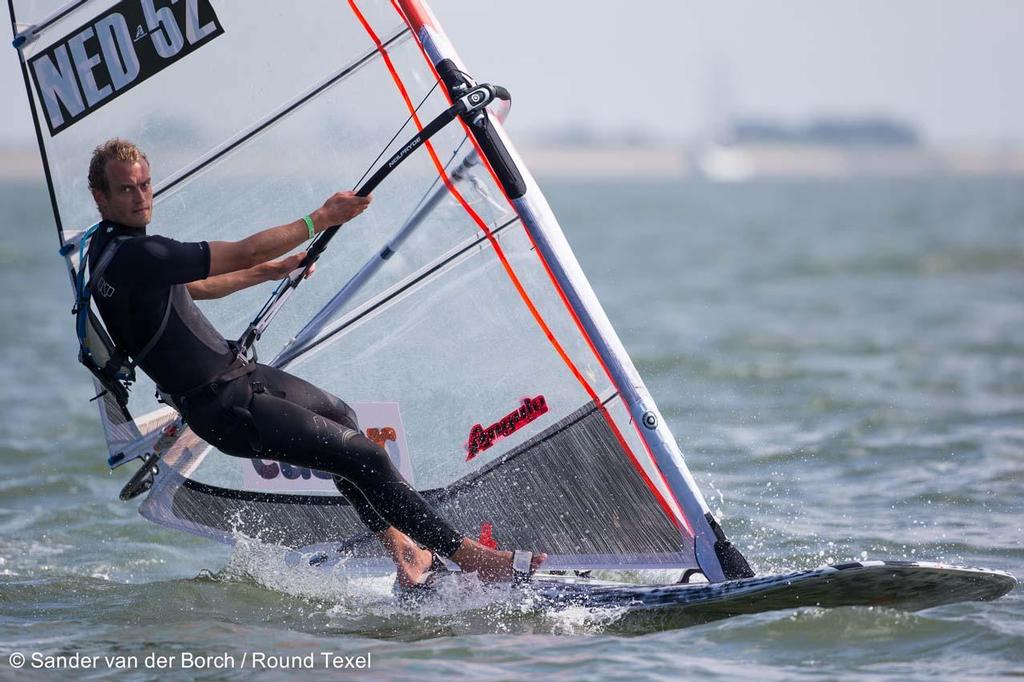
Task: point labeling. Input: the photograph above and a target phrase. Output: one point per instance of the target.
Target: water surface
(841, 362)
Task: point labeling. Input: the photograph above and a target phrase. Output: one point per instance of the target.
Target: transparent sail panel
(35, 12)
(458, 349)
(231, 83)
(293, 166)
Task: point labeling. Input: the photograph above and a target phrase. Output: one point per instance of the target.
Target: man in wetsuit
(145, 294)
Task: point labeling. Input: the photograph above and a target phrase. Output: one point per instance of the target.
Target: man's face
(130, 198)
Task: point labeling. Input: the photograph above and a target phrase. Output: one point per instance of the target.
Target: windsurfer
(145, 293)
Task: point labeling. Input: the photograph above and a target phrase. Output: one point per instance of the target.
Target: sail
(453, 315)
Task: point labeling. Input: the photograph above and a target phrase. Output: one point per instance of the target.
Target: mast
(718, 558)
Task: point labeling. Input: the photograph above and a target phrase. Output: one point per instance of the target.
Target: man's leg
(293, 434)
(411, 560)
(364, 510)
(327, 444)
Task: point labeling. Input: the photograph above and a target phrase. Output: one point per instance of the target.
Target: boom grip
(486, 136)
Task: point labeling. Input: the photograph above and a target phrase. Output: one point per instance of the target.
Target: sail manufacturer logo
(270, 470)
(129, 43)
(406, 150)
(382, 435)
(388, 431)
(481, 439)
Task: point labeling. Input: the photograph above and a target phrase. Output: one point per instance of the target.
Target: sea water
(842, 362)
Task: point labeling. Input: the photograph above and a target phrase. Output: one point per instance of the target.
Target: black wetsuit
(251, 410)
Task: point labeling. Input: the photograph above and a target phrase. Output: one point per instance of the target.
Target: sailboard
(453, 316)
(905, 585)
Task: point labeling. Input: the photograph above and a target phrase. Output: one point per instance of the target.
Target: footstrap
(522, 566)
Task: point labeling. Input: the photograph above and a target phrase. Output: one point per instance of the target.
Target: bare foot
(411, 560)
(491, 565)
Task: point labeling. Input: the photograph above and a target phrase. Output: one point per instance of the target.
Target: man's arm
(230, 282)
(257, 249)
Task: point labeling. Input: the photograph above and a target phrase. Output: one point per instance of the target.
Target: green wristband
(309, 226)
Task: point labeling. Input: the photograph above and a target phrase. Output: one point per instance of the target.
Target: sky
(676, 68)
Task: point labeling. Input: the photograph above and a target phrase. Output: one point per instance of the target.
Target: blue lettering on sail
(84, 65)
(118, 53)
(270, 470)
(58, 89)
(193, 31)
(163, 30)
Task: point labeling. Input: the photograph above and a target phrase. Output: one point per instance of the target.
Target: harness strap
(83, 288)
(105, 257)
(156, 336)
(95, 275)
(237, 369)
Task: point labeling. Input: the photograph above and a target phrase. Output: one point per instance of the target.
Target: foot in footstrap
(428, 580)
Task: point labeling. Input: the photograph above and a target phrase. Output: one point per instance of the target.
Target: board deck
(903, 585)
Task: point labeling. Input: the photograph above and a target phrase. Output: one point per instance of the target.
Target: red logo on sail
(382, 435)
(481, 438)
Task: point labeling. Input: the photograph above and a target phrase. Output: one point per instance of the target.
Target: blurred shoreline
(715, 163)
(20, 163)
(747, 162)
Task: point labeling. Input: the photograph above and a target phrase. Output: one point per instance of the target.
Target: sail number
(117, 50)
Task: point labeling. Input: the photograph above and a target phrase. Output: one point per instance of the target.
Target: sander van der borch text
(249, 660)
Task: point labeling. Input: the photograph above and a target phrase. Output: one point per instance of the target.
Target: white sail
(517, 405)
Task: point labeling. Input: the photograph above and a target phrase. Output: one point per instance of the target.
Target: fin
(143, 478)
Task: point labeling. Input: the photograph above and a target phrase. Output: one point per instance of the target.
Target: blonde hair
(115, 149)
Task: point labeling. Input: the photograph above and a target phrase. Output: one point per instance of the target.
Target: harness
(110, 364)
(114, 368)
